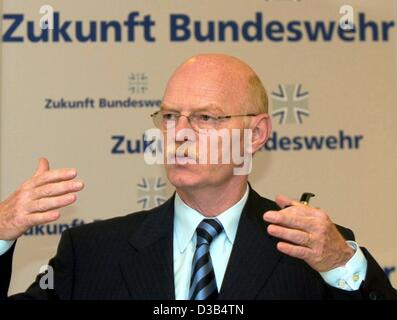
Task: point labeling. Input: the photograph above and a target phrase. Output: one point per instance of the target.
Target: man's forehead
(220, 89)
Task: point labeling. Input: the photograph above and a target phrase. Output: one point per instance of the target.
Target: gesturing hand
(37, 200)
(308, 234)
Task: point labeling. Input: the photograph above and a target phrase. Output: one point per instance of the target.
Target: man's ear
(261, 129)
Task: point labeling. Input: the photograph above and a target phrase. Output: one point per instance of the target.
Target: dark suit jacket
(131, 257)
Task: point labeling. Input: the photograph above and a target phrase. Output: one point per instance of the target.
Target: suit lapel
(147, 262)
(254, 255)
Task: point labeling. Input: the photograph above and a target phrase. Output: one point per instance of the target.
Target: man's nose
(184, 130)
(183, 123)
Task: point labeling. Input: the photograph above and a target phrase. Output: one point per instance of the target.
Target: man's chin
(180, 177)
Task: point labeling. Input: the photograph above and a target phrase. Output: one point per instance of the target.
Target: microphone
(305, 197)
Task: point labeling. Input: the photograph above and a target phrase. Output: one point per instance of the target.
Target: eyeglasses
(167, 119)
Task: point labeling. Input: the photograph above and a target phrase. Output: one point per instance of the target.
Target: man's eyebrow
(168, 108)
(210, 107)
(206, 108)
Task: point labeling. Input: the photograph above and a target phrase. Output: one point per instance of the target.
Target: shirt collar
(187, 219)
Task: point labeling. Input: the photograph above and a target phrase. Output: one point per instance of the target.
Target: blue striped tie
(202, 283)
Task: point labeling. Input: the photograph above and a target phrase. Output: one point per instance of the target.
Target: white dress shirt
(186, 221)
(5, 245)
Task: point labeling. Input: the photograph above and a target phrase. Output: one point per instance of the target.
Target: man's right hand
(37, 200)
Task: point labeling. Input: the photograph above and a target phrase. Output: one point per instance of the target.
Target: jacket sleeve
(51, 285)
(5, 271)
(376, 285)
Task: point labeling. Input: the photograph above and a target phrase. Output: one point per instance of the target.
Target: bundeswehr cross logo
(290, 103)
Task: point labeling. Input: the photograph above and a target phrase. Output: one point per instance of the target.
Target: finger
(291, 235)
(47, 204)
(41, 218)
(294, 250)
(57, 175)
(283, 201)
(301, 209)
(294, 206)
(43, 167)
(57, 189)
(289, 219)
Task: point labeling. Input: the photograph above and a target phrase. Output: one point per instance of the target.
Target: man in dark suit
(216, 238)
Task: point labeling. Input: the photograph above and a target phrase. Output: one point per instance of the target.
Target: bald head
(217, 79)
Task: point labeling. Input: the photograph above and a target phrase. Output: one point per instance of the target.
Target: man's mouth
(184, 160)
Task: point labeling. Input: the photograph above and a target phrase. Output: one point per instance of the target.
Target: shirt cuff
(349, 276)
(5, 245)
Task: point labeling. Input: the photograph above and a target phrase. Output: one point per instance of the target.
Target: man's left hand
(309, 235)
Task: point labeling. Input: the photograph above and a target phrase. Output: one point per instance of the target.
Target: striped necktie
(202, 283)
